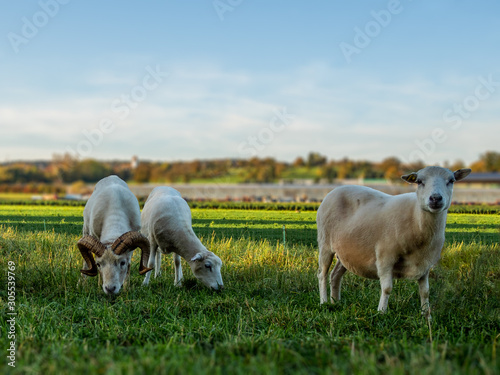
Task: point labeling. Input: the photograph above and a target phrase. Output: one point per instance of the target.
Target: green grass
(268, 319)
(9, 197)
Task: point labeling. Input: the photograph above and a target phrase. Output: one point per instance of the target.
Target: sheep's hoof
(426, 311)
(427, 315)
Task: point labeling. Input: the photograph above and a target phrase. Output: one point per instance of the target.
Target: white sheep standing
(166, 222)
(379, 236)
(111, 224)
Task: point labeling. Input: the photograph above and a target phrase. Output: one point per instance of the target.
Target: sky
(182, 80)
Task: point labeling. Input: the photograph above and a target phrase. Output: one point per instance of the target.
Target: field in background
(290, 223)
(267, 320)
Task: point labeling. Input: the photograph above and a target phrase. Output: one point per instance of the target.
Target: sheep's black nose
(111, 289)
(436, 198)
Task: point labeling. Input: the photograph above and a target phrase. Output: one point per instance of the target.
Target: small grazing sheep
(111, 224)
(379, 236)
(166, 222)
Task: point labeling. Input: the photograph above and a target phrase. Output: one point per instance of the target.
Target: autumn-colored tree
(491, 161)
(142, 173)
(315, 159)
(299, 162)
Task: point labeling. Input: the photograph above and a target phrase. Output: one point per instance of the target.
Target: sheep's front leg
(336, 280)
(158, 263)
(83, 278)
(325, 261)
(127, 278)
(386, 286)
(178, 270)
(423, 289)
(385, 266)
(151, 263)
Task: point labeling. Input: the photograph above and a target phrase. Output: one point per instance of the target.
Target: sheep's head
(113, 262)
(435, 186)
(206, 268)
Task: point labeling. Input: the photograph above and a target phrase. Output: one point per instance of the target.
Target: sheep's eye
(419, 182)
(209, 266)
(122, 263)
(450, 182)
(98, 265)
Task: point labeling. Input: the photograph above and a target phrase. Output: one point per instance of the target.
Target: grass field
(267, 320)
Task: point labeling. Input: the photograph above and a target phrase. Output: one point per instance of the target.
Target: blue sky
(180, 80)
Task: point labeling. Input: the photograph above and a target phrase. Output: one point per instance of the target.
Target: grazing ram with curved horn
(111, 224)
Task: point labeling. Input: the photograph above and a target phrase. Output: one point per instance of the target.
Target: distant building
(483, 178)
(134, 162)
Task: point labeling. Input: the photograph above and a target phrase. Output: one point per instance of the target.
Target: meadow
(267, 320)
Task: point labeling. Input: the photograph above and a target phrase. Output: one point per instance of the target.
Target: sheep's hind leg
(325, 261)
(423, 289)
(336, 280)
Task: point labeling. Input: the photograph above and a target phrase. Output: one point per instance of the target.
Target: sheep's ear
(460, 174)
(411, 178)
(198, 256)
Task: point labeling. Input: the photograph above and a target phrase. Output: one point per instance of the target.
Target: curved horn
(128, 242)
(87, 245)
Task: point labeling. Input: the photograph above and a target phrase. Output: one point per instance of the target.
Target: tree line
(64, 169)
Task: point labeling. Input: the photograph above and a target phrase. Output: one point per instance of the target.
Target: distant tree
(299, 162)
(329, 171)
(91, 170)
(279, 169)
(159, 172)
(142, 173)
(22, 173)
(458, 164)
(392, 168)
(491, 161)
(478, 166)
(344, 168)
(315, 159)
(265, 173)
